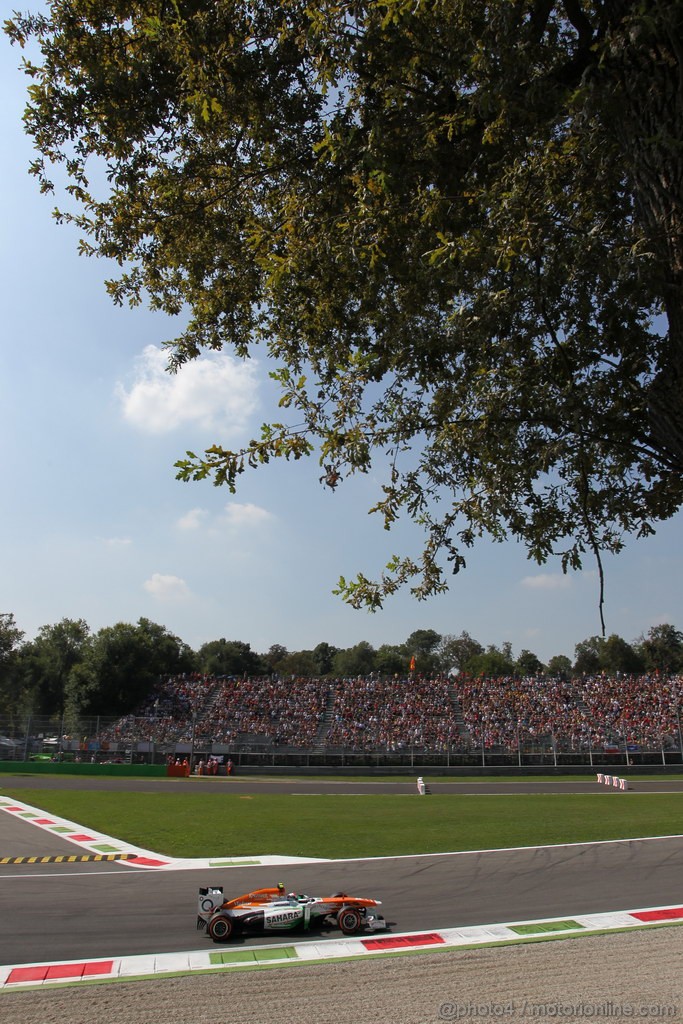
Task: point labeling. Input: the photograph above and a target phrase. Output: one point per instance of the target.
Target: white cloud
(237, 515)
(215, 392)
(118, 542)
(193, 519)
(547, 581)
(167, 588)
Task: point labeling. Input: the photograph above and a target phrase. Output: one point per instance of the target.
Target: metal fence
(25, 736)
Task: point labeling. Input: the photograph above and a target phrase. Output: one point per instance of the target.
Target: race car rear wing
(210, 897)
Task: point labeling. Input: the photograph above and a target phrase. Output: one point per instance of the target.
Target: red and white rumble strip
(124, 968)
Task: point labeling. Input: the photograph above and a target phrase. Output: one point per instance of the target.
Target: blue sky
(94, 524)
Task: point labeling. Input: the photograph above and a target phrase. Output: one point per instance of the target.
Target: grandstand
(426, 720)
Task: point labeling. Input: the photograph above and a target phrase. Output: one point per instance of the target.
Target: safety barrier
(615, 781)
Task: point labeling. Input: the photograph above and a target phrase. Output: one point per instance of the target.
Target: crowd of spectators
(167, 713)
(285, 713)
(394, 715)
(589, 713)
(508, 712)
(641, 711)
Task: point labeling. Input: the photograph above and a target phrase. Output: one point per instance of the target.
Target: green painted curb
(232, 863)
(247, 956)
(549, 926)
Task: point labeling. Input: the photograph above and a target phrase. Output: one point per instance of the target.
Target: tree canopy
(66, 671)
(49, 663)
(611, 655)
(125, 661)
(228, 658)
(454, 227)
(662, 648)
(10, 641)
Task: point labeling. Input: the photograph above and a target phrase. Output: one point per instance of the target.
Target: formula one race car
(273, 910)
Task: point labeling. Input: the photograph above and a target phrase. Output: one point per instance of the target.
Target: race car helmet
(281, 886)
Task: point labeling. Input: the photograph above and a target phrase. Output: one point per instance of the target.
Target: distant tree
(275, 654)
(456, 651)
(662, 649)
(612, 654)
(617, 655)
(228, 658)
(49, 661)
(10, 642)
(324, 654)
(391, 660)
(355, 661)
(81, 691)
(10, 636)
(560, 666)
(423, 641)
(493, 662)
(422, 645)
(587, 656)
(528, 664)
(125, 662)
(299, 663)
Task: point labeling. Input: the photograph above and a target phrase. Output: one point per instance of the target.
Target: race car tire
(221, 928)
(349, 920)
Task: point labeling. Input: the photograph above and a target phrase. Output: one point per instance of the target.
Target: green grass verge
(220, 824)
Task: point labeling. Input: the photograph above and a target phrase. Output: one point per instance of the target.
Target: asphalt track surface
(96, 909)
(256, 784)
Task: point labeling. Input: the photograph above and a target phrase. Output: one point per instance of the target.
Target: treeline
(68, 670)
